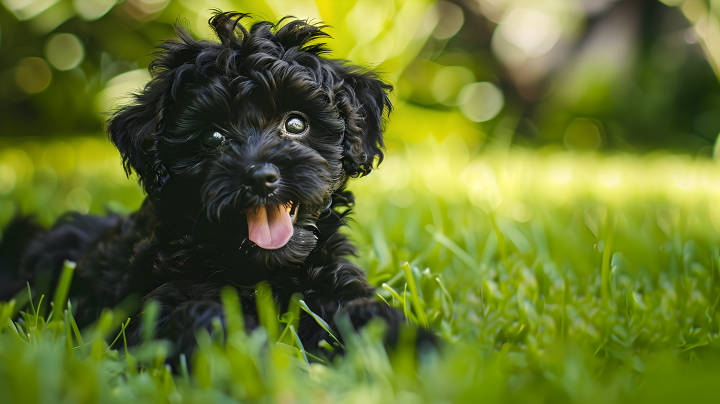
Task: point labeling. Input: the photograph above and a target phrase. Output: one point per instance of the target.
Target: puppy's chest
(222, 264)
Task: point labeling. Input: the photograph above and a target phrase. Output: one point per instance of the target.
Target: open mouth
(271, 226)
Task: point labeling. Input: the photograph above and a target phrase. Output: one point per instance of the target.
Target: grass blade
(233, 311)
(450, 245)
(415, 296)
(320, 321)
(266, 310)
(299, 345)
(63, 287)
(74, 326)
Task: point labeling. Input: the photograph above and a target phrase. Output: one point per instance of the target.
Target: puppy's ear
(363, 101)
(133, 129)
(128, 127)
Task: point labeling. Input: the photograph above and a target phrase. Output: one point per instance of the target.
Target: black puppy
(244, 148)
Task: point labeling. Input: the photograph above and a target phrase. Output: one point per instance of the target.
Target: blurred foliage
(627, 76)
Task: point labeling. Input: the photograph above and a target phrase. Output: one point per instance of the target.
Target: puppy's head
(253, 133)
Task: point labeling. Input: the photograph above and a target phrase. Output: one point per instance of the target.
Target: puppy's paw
(361, 311)
(180, 325)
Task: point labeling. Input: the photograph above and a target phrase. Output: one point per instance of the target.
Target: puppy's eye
(296, 125)
(213, 139)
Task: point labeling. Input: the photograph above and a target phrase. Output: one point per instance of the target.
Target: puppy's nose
(263, 179)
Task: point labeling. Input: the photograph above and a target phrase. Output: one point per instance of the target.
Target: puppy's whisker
(326, 129)
(290, 184)
(336, 215)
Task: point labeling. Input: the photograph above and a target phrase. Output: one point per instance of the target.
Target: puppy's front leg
(361, 311)
(179, 326)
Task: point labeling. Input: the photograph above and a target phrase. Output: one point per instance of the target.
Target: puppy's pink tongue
(270, 226)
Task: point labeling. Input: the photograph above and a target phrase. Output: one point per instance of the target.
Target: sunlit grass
(550, 277)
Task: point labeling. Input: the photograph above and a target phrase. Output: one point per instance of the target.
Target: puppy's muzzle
(270, 226)
(263, 179)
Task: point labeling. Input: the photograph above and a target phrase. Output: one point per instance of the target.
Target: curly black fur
(190, 237)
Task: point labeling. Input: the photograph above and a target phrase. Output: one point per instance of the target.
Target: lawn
(549, 277)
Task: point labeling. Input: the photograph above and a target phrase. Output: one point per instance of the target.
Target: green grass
(550, 277)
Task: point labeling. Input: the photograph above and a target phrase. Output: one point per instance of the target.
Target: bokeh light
(118, 90)
(145, 10)
(33, 75)
(583, 135)
(93, 9)
(533, 32)
(78, 200)
(64, 51)
(7, 178)
(480, 102)
(450, 21)
(448, 82)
